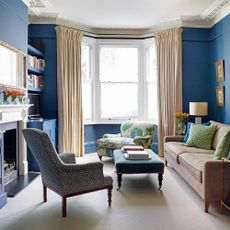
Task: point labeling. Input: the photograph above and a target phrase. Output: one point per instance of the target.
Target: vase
(181, 128)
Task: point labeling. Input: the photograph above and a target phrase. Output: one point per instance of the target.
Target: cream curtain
(169, 86)
(69, 84)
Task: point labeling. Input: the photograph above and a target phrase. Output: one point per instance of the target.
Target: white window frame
(148, 44)
(141, 45)
(91, 43)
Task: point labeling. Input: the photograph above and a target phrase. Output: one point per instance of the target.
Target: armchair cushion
(111, 135)
(114, 143)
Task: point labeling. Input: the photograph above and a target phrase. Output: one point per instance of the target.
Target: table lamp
(198, 109)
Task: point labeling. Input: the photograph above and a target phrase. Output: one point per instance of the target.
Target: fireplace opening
(10, 163)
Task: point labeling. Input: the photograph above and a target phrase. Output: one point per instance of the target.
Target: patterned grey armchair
(60, 172)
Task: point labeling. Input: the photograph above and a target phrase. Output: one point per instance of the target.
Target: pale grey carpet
(139, 205)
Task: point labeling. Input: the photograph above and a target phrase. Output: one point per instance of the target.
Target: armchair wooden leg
(110, 195)
(100, 158)
(64, 206)
(44, 193)
(166, 163)
(206, 206)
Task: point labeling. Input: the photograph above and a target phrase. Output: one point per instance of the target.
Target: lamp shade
(198, 108)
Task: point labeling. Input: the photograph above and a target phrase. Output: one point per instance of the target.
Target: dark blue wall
(14, 23)
(200, 49)
(47, 34)
(220, 49)
(195, 66)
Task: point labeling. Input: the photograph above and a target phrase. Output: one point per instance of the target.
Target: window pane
(119, 100)
(152, 102)
(118, 64)
(87, 100)
(152, 64)
(85, 62)
(86, 83)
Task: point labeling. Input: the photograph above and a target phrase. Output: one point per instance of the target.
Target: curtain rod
(108, 36)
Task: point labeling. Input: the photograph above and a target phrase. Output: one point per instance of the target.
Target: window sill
(111, 122)
(102, 122)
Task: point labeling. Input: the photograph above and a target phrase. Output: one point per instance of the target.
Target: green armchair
(131, 133)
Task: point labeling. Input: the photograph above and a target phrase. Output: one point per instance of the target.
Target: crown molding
(217, 11)
(221, 14)
(105, 32)
(214, 9)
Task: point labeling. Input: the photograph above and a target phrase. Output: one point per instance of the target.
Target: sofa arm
(213, 180)
(174, 139)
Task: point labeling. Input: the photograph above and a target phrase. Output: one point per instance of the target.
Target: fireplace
(13, 155)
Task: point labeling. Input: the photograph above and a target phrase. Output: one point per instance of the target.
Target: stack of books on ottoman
(135, 153)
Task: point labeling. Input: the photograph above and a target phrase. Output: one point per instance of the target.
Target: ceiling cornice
(217, 11)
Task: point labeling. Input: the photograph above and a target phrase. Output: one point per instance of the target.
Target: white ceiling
(126, 14)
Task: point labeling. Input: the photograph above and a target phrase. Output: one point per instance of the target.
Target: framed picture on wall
(220, 96)
(219, 70)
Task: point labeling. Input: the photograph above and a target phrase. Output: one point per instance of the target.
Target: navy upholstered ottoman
(126, 166)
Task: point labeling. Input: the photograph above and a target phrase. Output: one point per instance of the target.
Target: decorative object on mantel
(181, 119)
(220, 96)
(198, 109)
(12, 97)
(220, 71)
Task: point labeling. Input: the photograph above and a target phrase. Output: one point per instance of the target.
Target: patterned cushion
(132, 129)
(114, 143)
(222, 148)
(201, 136)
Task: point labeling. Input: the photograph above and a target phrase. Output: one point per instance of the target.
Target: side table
(225, 202)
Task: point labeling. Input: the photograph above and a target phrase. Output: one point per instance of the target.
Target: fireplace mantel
(11, 113)
(16, 113)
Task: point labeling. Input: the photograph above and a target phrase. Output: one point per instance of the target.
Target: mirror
(12, 67)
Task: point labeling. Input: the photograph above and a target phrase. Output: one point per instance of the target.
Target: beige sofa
(198, 167)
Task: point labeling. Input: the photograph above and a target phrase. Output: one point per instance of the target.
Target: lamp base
(198, 120)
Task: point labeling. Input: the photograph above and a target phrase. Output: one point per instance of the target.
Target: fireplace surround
(13, 117)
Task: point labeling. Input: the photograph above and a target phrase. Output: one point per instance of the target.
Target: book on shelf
(34, 81)
(132, 147)
(35, 62)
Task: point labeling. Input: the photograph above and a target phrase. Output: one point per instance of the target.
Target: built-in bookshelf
(36, 69)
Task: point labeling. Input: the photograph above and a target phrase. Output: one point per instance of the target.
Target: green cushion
(201, 136)
(223, 147)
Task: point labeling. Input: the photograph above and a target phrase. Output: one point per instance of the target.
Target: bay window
(119, 80)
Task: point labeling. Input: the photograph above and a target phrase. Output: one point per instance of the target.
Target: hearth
(10, 153)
